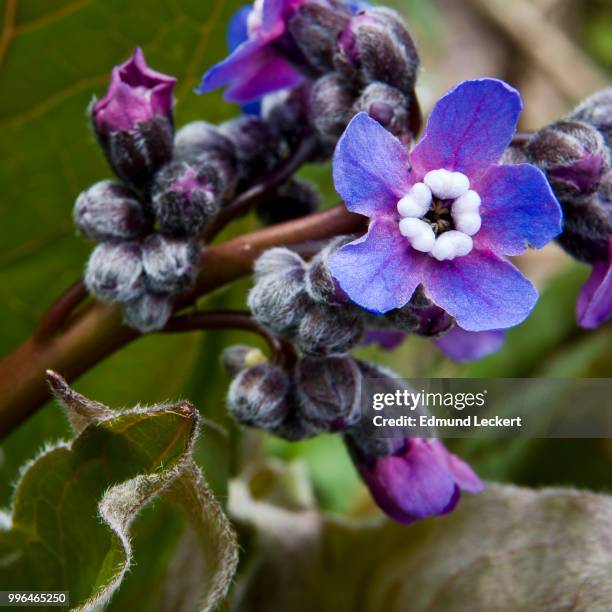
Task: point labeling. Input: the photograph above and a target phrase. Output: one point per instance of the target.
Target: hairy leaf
(508, 548)
(70, 524)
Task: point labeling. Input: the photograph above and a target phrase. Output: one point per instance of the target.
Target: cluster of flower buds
(576, 155)
(170, 186)
(330, 58)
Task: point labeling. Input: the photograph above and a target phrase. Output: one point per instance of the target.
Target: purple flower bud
(286, 113)
(170, 265)
(185, 196)
(150, 312)
(572, 154)
(376, 46)
(597, 111)
(200, 137)
(329, 392)
(133, 121)
(326, 331)
(392, 109)
(255, 144)
(236, 358)
(293, 200)
(110, 211)
(331, 106)
(114, 272)
(315, 28)
(295, 427)
(136, 94)
(257, 396)
(278, 300)
(320, 285)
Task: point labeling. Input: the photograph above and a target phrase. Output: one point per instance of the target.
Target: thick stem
(97, 331)
(60, 312)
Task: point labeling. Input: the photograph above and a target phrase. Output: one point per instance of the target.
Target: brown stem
(260, 190)
(97, 331)
(59, 313)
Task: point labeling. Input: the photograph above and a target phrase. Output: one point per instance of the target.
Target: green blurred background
(56, 54)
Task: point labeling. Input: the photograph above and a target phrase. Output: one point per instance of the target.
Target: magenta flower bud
(375, 45)
(136, 94)
(133, 121)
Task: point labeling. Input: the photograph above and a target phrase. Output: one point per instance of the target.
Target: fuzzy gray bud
(293, 200)
(329, 392)
(255, 144)
(331, 106)
(115, 273)
(295, 427)
(320, 284)
(376, 46)
(199, 137)
(236, 358)
(170, 264)
(135, 155)
(315, 29)
(185, 196)
(278, 299)
(286, 112)
(573, 155)
(110, 211)
(329, 330)
(597, 111)
(150, 312)
(257, 396)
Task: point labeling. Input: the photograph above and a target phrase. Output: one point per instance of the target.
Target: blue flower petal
(237, 30)
(518, 210)
(379, 271)
(469, 128)
(462, 345)
(370, 168)
(482, 291)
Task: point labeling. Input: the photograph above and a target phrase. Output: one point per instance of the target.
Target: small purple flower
(461, 345)
(445, 216)
(135, 95)
(420, 479)
(594, 306)
(256, 66)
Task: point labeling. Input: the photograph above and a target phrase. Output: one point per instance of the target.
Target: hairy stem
(96, 331)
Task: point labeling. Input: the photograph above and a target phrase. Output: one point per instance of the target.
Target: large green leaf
(72, 510)
(508, 548)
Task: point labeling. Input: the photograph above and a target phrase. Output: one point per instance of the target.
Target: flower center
(440, 215)
(255, 18)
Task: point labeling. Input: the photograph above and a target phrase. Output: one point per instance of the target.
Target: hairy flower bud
(375, 45)
(257, 396)
(315, 29)
(134, 122)
(278, 299)
(149, 312)
(597, 111)
(115, 273)
(286, 113)
(185, 196)
(320, 284)
(329, 392)
(572, 154)
(587, 223)
(293, 200)
(255, 144)
(329, 330)
(110, 211)
(295, 427)
(236, 358)
(170, 264)
(199, 137)
(331, 106)
(391, 108)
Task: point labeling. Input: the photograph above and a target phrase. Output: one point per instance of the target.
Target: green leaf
(73, 507)
(508, 548)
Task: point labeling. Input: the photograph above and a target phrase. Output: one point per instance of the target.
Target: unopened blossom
(594, 305)
(445, 215)
(135, 95)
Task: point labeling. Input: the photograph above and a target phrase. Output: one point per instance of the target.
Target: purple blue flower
(420, 479)
(445, 215)
(136, 94)
(461, 345)
(594, 305)
(256, 65)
